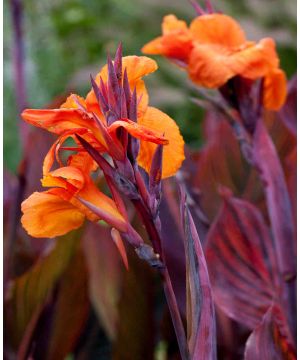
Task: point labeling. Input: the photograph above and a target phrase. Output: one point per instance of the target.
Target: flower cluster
(214, 49)
(115, 123)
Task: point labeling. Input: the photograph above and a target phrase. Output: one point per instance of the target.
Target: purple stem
(16, 8)
(168, 288)
(18, 59)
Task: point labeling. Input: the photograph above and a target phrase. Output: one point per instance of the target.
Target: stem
(168, 288)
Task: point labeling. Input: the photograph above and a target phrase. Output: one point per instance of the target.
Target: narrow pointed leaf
(118, 63)
(100, 98)
(200, 308)
(278, 202)
(120, 245)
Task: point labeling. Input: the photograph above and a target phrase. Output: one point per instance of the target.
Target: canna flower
(117, 100)
(63, 208)
(214, 49)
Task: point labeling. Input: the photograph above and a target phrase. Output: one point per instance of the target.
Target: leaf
(219, 162)
(200, 310)
(289, 111)
(173, 242)
(70, 310)
(136, 328)
(278, 202)
(291, 178)
(116, 236)
(267, 342)
(241, 262)
(29, 291)
(105, 275)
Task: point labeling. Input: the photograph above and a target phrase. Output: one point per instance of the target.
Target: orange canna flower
(217, 50)
(176, 41)
(87, 118)
(62, 208)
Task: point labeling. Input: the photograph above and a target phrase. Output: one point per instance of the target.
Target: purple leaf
(105, 275)
(280, 214)
(267, 342)
(289, 111)
(155, 179)
(100, 98)
(30, 291)
(118, 63)
(278, 202)
(241, 262)
(126, 88)
(172, 241)
(200, 310)
(133, 106)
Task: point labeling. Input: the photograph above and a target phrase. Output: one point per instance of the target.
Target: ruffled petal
(154, 47)
(255, 60)
(58, 120)
(176, 42)
(73, 101)
(64, 175)
(275, 90)
(218, 29)
(82, 161)
(210, 66)
(47, 215)
(171, 24)
(173, 153)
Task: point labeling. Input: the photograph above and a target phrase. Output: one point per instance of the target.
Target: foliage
(192, 259)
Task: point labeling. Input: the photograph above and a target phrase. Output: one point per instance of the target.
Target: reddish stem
(168, 288)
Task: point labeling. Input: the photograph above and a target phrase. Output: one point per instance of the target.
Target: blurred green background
(65, 41)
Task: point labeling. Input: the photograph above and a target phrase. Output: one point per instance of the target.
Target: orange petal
(154, 47)
(72, 102)
(50, 156)
(92, 194)
(82, 161)
(138, 131)
(255, 60)
(171, 23)
(218, 29)
(176, 41)
(47, 215)
(61, 176)
(210, 66)
(275, 89)
(58, 120)
(173, 153)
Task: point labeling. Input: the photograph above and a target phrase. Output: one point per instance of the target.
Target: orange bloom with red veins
(219, 51)
(86, 118)
(63, 208)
